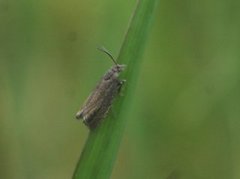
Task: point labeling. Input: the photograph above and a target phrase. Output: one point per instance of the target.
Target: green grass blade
(100, 150)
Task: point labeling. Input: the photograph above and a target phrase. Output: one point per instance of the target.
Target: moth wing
(92, 104)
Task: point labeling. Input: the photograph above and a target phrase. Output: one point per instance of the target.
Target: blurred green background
(185, 115)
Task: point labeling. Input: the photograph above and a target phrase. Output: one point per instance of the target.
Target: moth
(100, 100)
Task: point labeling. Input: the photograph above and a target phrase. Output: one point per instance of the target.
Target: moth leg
(121, 83)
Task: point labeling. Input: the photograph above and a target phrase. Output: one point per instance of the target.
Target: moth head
(118, 68)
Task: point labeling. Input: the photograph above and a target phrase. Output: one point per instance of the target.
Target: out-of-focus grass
(185, 120)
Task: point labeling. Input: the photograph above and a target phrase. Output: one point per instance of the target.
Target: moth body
(100, 100)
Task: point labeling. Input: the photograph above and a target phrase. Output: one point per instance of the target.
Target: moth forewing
(109, 95)
(91, 104)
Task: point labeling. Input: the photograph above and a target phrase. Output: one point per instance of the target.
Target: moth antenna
(104, 50)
